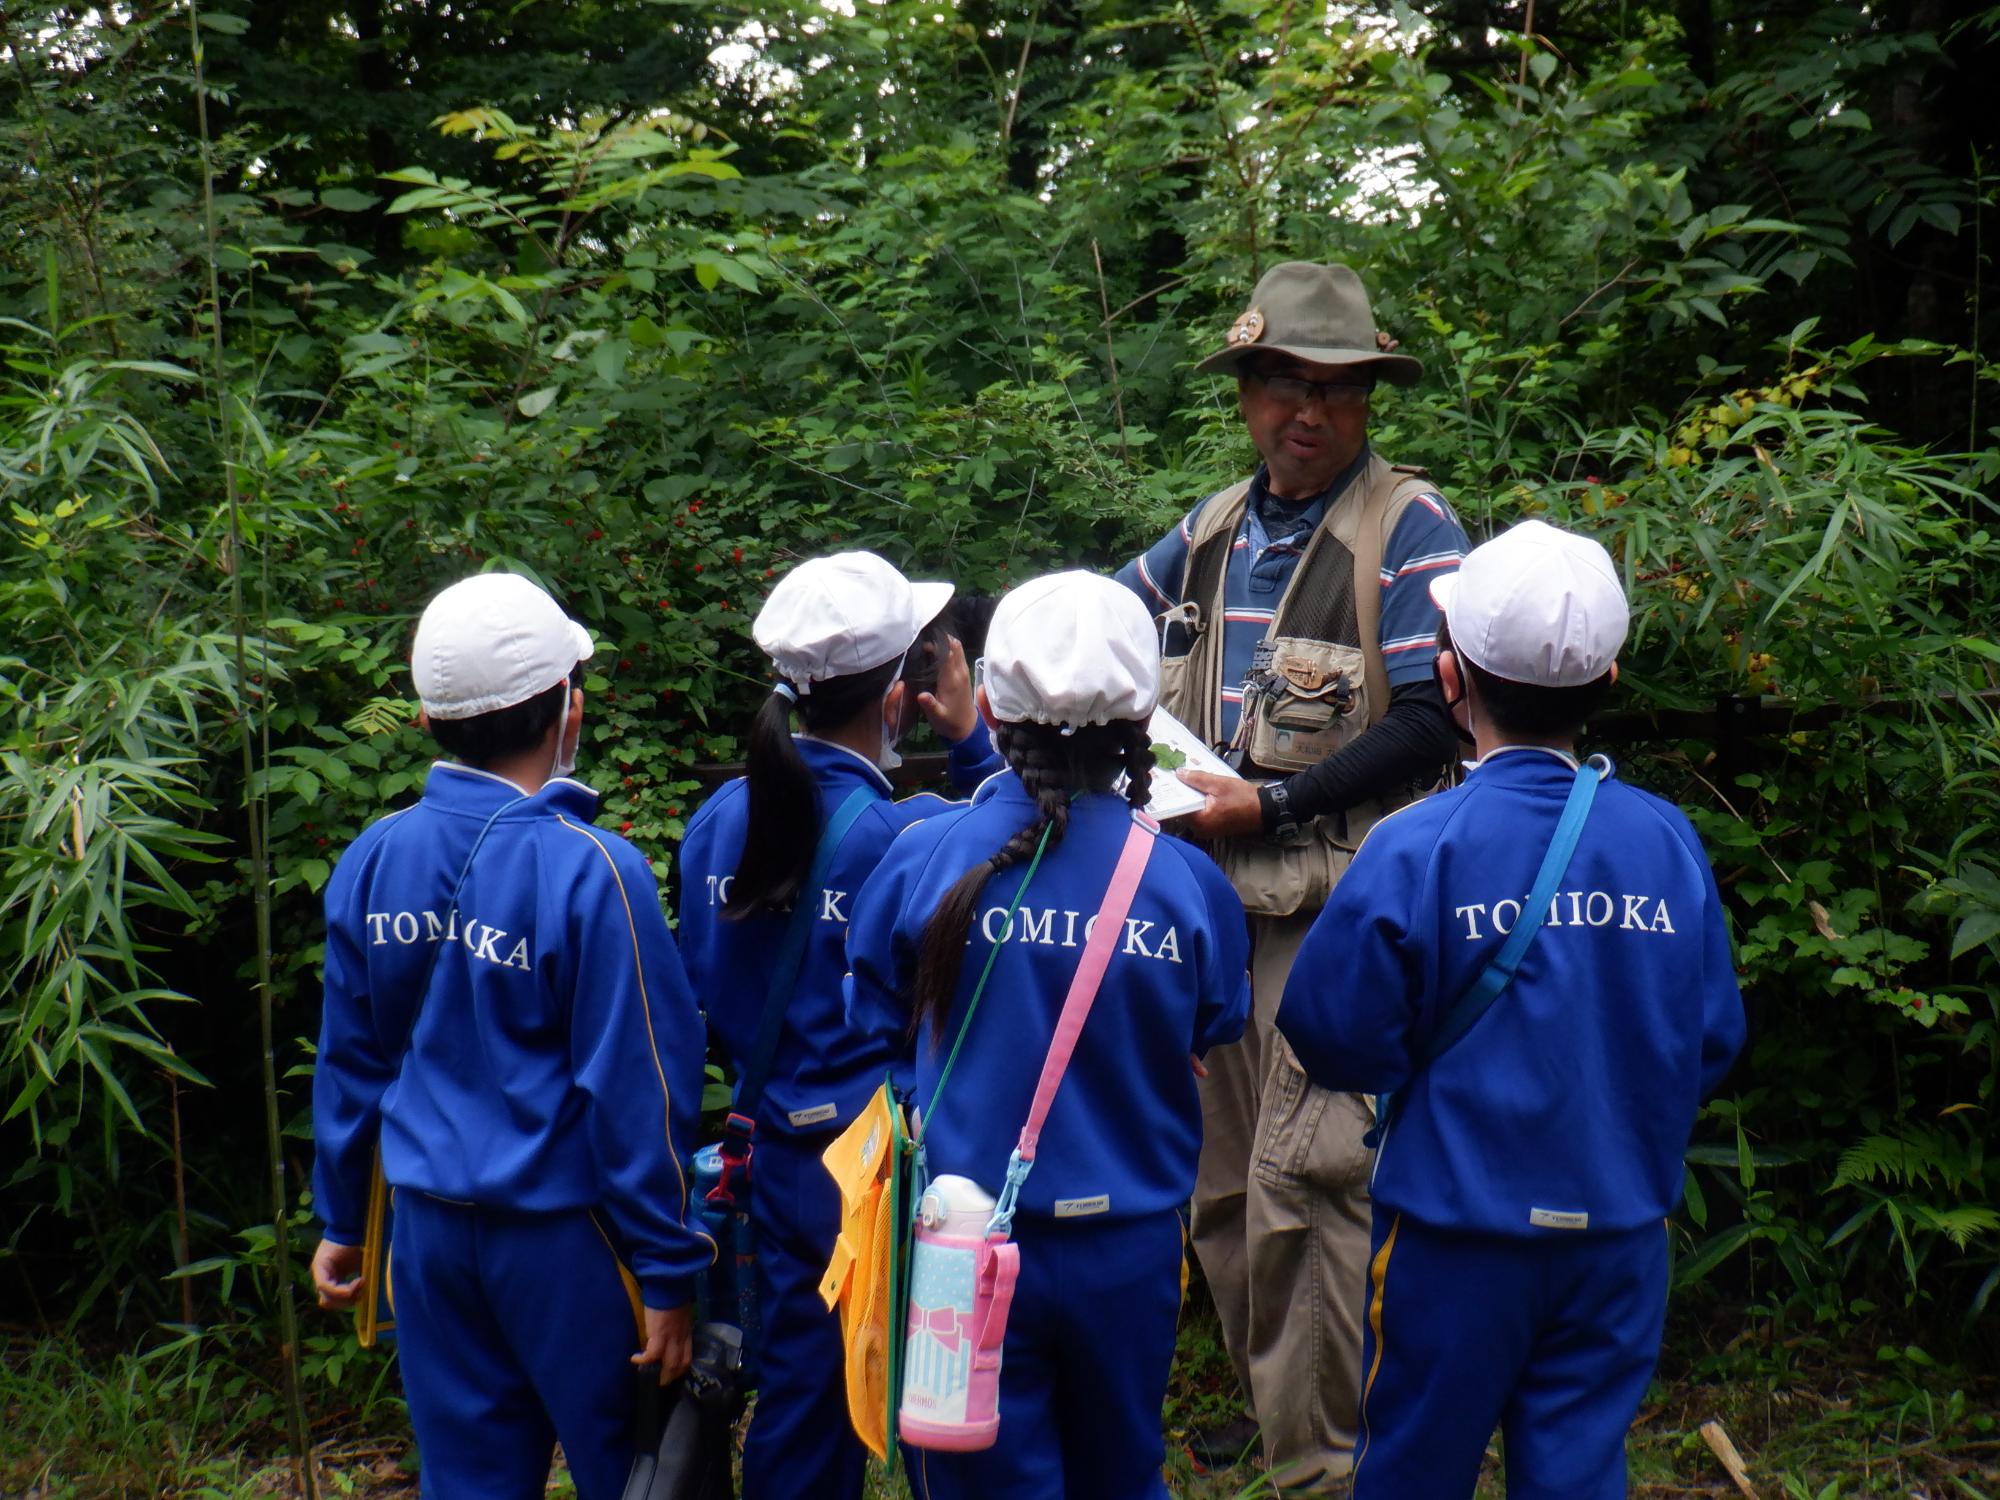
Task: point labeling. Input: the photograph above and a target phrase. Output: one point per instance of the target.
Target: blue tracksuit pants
(1083, 1372)
(515, 1331)
(800, 1441)
(1551, 1339)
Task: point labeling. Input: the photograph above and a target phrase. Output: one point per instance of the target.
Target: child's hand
(336, 1274)
(1200, 1067)
(669, 1341)
(950, 709)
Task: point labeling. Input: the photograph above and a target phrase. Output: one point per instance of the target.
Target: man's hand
(1232, 809)
(1386, 344)
(950, 709)
(669, 1341)
(336, 1273)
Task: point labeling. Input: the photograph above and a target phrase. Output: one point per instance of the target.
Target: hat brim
(1397, 369)
(585, 646)
(1442, 588)
(931, 598)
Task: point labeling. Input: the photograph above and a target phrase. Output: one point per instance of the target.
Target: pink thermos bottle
(961, 1282)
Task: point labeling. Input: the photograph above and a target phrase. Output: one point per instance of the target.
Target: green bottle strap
(972, 1006)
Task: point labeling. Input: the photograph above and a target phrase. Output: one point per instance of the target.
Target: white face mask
(565, 761)
(886, 757)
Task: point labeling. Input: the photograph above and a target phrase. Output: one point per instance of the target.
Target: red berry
(410, 525)
(673, 812)
(736, 555)
(596, 533)
(697, 567)
(322, 841)
(666, 604)
(694, 507)
(626, 826)
(624, 664)
(767, 572)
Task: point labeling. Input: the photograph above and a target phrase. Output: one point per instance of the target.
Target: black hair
(485, 738)
(784, 802)
(1524, 708)
(1052, 766)
(927, 654)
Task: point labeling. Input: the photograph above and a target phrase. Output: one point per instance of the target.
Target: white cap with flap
(1074, 649)
(489, 642)
(1536, 605)
(835, 616)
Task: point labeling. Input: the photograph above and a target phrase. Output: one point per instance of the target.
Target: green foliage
(650, 329)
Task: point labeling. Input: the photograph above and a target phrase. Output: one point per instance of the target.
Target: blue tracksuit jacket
(823, 1070)
(1568, 1105)
(1125, 1128)
(557, 1062)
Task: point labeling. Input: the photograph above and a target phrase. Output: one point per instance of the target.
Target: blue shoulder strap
(1497, 975)
(792, 954)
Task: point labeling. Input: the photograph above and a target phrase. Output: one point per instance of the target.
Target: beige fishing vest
(1322, 681)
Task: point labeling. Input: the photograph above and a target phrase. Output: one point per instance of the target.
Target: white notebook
(1171, 797)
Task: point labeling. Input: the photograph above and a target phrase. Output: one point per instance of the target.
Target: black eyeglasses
(1294, 391)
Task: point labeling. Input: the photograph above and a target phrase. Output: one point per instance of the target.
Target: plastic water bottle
(961, 1286)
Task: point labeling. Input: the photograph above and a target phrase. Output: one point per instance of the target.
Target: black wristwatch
(1279, 818)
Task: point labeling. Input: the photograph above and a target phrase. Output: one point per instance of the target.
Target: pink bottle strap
(1083, 987)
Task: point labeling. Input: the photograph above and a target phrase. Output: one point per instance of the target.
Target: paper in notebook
(1178, 748)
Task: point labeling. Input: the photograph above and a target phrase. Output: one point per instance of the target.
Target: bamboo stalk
(180, 1201)
(255, 807)
(1111, 354)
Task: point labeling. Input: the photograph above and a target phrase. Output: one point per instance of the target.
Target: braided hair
(783, 828)
(1053, 767)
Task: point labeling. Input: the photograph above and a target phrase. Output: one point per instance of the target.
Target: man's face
(1307, 433)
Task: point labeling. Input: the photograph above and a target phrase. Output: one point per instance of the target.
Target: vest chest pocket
(1303, 700)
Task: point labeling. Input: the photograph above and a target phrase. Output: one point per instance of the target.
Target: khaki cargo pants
(1281, 1229)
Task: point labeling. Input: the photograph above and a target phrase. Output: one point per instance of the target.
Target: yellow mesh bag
(861, 1280)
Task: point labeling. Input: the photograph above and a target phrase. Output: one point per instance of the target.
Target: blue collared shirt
(1270, 541)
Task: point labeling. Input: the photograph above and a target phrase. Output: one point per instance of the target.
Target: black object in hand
(681, 1432)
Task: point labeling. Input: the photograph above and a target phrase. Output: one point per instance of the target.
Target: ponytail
(1053, 766)
(784, 823)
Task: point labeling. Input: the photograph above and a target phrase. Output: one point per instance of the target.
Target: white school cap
(835, 616)
(489, 642)
(1536, 605)
(1073, 649)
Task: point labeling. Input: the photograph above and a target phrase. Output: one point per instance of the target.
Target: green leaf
(1978, 928)
(536, 402)
(222, 23)
(347, 200)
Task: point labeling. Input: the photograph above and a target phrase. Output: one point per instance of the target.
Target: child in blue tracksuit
(1519, 1268)
(1072, 673)
(505, 1015)
(839, 630)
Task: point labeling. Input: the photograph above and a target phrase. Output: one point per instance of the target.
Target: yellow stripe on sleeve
(646, 1010)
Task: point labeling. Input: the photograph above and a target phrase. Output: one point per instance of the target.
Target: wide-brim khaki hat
(1316, 313)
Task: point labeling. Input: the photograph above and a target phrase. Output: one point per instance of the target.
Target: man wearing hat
(1533, 969)
(1299, 635)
